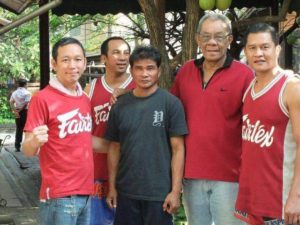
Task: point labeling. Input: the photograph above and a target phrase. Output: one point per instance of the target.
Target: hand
(40, 135)
(16, 113)
(292, 210)
(111, 198)
(172, 202)
(116, 93)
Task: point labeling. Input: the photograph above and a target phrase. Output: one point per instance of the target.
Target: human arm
(172, 201)
(116, 93)
(100, 145)
(292, 101)
(13, 108)
(34, 140)
(113, 157)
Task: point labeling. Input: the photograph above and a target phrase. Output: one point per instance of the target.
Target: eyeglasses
(218, 37)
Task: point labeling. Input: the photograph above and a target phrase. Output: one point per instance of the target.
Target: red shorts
(256, 220)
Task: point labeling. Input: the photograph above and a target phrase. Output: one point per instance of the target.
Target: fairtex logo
(73, 123)
(257, 133)
(101, 113)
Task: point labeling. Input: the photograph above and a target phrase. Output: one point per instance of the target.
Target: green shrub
(6, 115)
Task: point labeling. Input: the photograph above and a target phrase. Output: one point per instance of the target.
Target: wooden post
(157, 39)
(44, 47)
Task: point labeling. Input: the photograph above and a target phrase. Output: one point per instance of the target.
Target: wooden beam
(267, 19)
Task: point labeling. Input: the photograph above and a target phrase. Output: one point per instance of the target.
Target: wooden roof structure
(119, 6)
(132, 6)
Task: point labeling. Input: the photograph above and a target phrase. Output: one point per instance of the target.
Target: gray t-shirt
(143, 126)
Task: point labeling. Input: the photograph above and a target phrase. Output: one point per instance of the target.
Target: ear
(230, 39)
(159, 71)
(197, 39)
(53, 64)
(278, 50)
(85, 63)
(103, 59)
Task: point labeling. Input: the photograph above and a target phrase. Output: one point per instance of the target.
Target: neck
(214, 65)
(265, 77)
(72, 88)
(115, 80)
(140, 92)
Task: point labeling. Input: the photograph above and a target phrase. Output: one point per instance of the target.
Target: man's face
(69, 64)
(213, 39)
(117, 59)
(261, 52)
(145, 73)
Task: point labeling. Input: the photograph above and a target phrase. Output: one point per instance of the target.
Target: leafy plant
(6, 115)
(292, 37)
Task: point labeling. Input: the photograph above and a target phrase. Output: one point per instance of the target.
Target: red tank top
(100, 94)
(267, 150)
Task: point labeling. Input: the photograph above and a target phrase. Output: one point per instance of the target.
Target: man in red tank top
(269, 191)
(115, 53)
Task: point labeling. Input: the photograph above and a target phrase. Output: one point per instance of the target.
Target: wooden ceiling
(126, 6)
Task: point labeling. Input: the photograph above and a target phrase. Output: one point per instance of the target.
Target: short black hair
(104, 46)
(262, 28)
(22, 82)
(145, 52)
(63, 42)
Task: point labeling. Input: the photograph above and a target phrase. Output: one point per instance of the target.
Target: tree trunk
(157, 37)
(189, 45)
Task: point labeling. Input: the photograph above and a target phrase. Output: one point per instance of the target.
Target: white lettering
(101, 113)
(257, 133)
(73, 123)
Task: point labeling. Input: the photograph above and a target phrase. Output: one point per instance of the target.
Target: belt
(70, 196)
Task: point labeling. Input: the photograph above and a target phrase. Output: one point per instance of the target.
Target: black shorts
(140, 212)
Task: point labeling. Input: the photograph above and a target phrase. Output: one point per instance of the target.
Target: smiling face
(117, 58)
(214, 39)
(261, 52)
(69, 64)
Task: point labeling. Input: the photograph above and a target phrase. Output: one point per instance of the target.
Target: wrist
(176, 191)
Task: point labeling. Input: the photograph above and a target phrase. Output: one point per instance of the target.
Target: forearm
(177, 171)
(30, 147)
(100, 144)
(295, 187)
(113, 158)
(34, 140)
(13, 107)
(177, 165)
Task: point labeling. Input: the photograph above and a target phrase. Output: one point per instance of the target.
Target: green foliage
(19, 48)
(61, 25)
(298, 20)
(5, 112)
(292, 37)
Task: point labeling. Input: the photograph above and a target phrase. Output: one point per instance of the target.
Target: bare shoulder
(293, 82)
(292, 91)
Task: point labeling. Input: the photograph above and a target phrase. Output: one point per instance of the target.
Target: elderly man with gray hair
(211, 89)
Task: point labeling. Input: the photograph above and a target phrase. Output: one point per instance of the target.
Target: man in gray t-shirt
(146, 154)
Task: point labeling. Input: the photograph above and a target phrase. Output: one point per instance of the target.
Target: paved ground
(19, 183)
